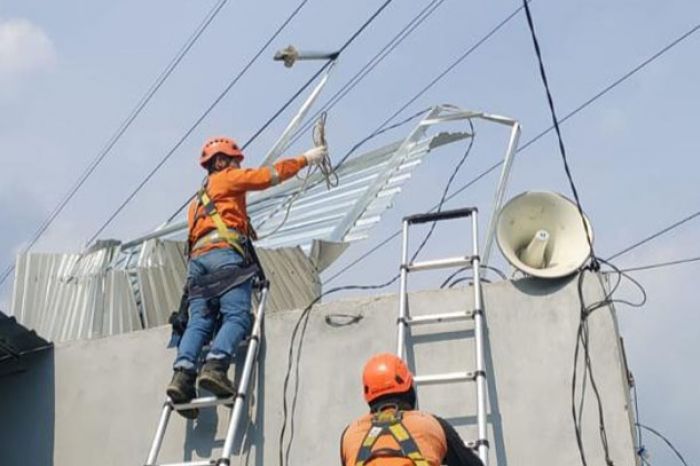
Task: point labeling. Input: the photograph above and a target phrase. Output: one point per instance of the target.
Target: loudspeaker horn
(541, 234)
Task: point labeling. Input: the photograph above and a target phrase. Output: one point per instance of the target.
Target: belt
(212, 237)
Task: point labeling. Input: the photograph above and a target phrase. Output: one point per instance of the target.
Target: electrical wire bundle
(583, 333)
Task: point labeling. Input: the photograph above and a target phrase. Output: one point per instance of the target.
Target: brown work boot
(181, 390)
(213, 378)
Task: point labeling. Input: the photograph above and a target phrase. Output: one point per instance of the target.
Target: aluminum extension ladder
(236, 403)
(405, 320)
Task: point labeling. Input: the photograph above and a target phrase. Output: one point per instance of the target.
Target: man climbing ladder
(221, 265)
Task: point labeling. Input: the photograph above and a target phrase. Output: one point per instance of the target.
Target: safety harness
(215, 284)
(232, 237)
(389, 422)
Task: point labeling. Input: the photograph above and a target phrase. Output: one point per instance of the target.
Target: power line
(335, 56)
(354, 81)
(198, 121)
(582, 338)
(555, 123)
(411, 26)
(655, 235)
(135, 112)
(585, 104)
(444, 73)
(383, 126)
(287, 103)
(661, 264)
(539, 136)
(667, 441)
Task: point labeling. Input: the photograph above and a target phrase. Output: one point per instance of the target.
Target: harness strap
(388, 423)
(230, 236)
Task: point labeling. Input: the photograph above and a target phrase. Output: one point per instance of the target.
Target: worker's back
(425, 430)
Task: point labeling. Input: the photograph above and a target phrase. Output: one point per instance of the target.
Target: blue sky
(71, 71)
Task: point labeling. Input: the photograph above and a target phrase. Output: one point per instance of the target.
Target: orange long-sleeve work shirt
(227, 190)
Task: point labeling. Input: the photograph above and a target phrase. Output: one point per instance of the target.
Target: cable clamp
(480, 442)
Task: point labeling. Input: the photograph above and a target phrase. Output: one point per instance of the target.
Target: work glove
(316, 155)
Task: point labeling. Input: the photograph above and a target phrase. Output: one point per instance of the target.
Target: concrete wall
(107, 393)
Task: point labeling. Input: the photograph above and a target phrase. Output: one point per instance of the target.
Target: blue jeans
(234, 309)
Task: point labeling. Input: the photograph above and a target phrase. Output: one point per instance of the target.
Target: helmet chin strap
(396, 401)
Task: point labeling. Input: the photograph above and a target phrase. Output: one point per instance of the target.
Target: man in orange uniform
(394, 433)
(219, 236)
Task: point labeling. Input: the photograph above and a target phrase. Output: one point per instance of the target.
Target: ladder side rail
(403, 297)
(482, 441)
(160, 433)
(251, 356)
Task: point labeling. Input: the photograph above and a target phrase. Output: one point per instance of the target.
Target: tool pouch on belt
(178, 320)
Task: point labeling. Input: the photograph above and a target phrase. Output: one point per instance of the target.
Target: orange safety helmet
(219, 145)
(384, 374)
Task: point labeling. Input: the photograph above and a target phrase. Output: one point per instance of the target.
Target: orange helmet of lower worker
(219, 145)
(385, 374)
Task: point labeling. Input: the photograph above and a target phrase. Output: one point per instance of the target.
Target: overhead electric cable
(444, 73)
(661, 264)
(385, 125)
(411, 26)
(539, 136)
(135, 112)
(287, 104)
(582, 337)
(656, 235)
(335, 56)
(667, 441)
(197, 122)
(555, 123)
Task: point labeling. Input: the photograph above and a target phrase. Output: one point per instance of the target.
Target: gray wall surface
(98, 401)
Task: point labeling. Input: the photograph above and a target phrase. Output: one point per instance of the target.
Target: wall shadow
(533, 286)
(27, 410)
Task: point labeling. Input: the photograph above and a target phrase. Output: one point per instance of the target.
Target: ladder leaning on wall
(478, 376)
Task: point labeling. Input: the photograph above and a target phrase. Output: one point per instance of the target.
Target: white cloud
(24, 49)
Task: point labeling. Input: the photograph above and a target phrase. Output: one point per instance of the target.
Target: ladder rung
(437, 216)
(191, 463)
(439, 264)
(203, 402)
(448, 377)
(445, 317)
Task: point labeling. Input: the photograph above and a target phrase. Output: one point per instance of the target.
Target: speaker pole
(502, 183)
